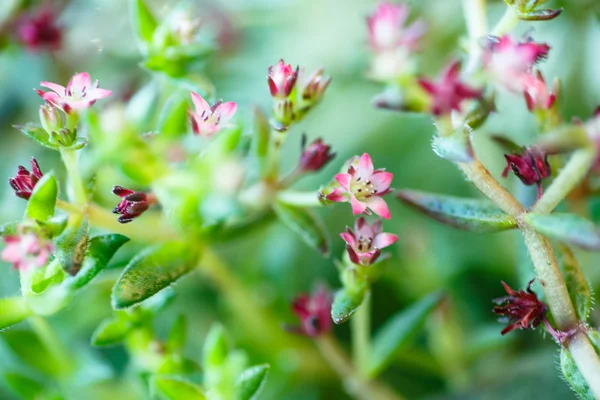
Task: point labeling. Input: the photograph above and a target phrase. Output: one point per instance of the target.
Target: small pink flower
(26, 251)
(282, 78)
(315, 156)
(79, 94)
(133, 204)
(314, 312)
(387, 29)
(448, 92)
(536, 92)
(364, 244)
(24, 182)
(39, 30)
(363, 187)
(511, 62)
(207, 120)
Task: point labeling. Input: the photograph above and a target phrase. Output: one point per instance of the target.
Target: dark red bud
(315, 156)
(133, 204)
(24, 182)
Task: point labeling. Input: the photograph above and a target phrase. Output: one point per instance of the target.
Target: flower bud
(314, 313)
(133, 204)
(282, 79)
(315, 156)
(522, 308)
(24, 182)
(311, 88)
(40, 31)
(283, 112)
(531, 167)
(50, 118)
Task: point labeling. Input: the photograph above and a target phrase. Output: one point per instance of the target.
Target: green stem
(506, 23)
(76, 189)
(475, 17)
(357, 386)
(52, 342)
(298, 198)
(578, 166)
(361, 336)
(276, 147)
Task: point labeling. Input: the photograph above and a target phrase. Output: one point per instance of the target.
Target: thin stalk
(360, 326)
(50, 340)
(578, 166)
(357, 386)
(506, 23)
(76, 189)
(298, 198)
(475, 17)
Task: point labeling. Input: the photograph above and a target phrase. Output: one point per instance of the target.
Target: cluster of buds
(362, 186)
(294, 92)
(24, 182)
(522, 309)
(392, 42)
(364, 243)
(207, 120)
(27, 250)
(313, 311)
(528, 10)
(133, 204)
(39, 30)
(531, 167)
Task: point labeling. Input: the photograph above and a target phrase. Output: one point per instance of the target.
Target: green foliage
(112, 331)
(573, 376)
(261, 138)
(153, 270)
(303, 222)
(577, 284)
(466, 214)
(251, 382)
(173, 121)
(38, 134)
(398, 331)
(567, 228)
(176, 389)
(345, 304)
(72, 244)
(454, 148)
(144, 23)
(12, 311)
(42, 202)
(24, 386)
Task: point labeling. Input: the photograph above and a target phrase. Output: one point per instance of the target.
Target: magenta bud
(522, 308)
(133, 204)
(314, 312)
(531, 167)
(24, 182)
(315, 156)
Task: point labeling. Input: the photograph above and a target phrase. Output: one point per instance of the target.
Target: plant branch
(360, 326)
(476, 20)
(77, 192)
(506, 23)
(299, 198)
(357, 386)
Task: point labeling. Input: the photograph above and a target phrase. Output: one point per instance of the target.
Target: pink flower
(282, 78)
(40, 31)
(510, 62)
(24, 182)
(133, 204)
(387, 30)
(314, 312)
(537, 95)
(448, 92)
(207, 120)
(315, 156)
(364, 244)
(26, 251)
(79, 94)
(363, 187)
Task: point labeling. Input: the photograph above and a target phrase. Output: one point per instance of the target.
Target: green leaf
(144, 23)
(466, 214)
(215, 349)
(171, 388)
(173, 121)
(38, 134)
(456, 148)
(12, 311)
(579, 288)
(398, 332)
(24, 386)
(251, 381)
(31, 350)
(305, 224)
(573, 376)
(54, 226)
(345, 303)
(153, 270)
(43, 199)
(9, 228)
(112, 331)
(178, 334)
(71, 246)
(262, 134)
(99, 252)
(567, 228)
(539, 15)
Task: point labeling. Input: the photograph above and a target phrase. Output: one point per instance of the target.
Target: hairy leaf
(567, 228)
(345, 303)
(573, 376)
(42, 202)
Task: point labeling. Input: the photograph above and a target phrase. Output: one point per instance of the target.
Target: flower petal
(79, 81)
(381, 180)
(379, 206)
(357, 206)
(59, 89)
(344, 181)
(226, 111)
(365, 166)
(199, 102)
(384, 240)
(348, 238)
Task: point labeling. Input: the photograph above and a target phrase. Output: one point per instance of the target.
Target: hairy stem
(506, 23)
(578, 166)
(475, 17)
(361, 336)
(357, 386)
(76, 190)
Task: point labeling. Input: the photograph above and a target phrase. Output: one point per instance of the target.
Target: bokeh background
(460, 354)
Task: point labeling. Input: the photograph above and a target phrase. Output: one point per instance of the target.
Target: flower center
(362, 189)
(364, 244)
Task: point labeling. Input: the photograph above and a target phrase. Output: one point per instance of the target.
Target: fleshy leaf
(12, 311)
(42, 202)
(579, 288)
(32, 351)
(26, 387)
(573, 376)
(251, 382)
(398, 332)
(153, 270)
(567, 228)
(71, 246)
(178, 334)
(173, 120)
(171, 388)
(304, 223)
(215, 348)
(345, 303)
(111, 331)
(539, 15)
(144, 23)
(99, 252)
(465, 214)
(38, 134)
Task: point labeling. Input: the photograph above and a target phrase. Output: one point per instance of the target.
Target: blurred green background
(461, 354)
